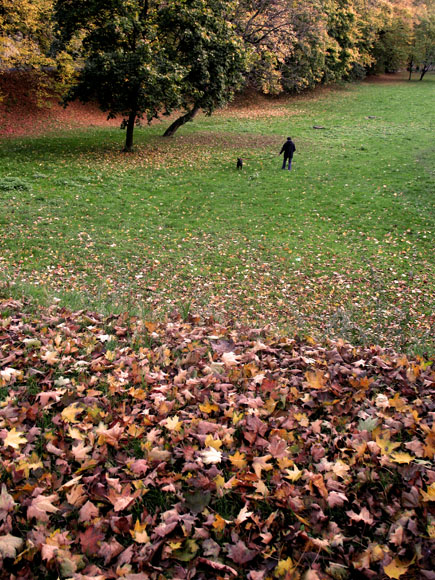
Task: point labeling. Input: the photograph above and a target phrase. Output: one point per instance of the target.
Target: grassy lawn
(342, 246)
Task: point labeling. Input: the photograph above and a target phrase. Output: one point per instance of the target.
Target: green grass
(342, 246)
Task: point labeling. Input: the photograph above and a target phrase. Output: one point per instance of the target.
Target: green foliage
(14, 184)
(126, 65)
(201, 40)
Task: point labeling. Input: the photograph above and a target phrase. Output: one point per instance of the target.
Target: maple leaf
(240, 553)
(340, 468)
(386, 445)
(211, 442)
(69, 414)
(173, 423)
(319, 482)
(121, 500)
(50, 357)
(261, 463)
(9, 375)
(211, 455)
(14, 439)
(316, 379)
(81, 451)
(336, 499)
(293, 474)
(139, 533)
(7, 503)
(41, 506)
(243, 515)
(284, 567)
(395, 569)
(88, 512)
(429, 495)
(218, 566)
(230, 359)
(363, 516)
(110, 436)
(238, 460)
(9, 545)
(396, 536)
(90, 540)
(157, 454)
(108, 551)
(219, 523)
(76, 496)
(208, 407)
(401, 457)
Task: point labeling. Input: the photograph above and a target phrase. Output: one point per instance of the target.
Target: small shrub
(14, 184)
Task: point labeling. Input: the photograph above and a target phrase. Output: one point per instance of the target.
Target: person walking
(288, 149)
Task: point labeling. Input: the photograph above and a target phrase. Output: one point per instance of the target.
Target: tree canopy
(142, 58)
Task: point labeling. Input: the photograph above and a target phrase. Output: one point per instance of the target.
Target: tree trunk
(411, 66)
(181, 121)
(130, 128)
(424, 71)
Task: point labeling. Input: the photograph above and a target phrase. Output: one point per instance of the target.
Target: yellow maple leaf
(302, 418)
(208, 407)
(69, 414)
(173, 423)
(14, 439)
(284, 462)
(237, 417)
(219, 523)
(219, 481)
(397, 402)
(139, 533)
(75, 433)
(401, 457)
(210, 442)
(175, 545)
(293, 474)
(429, 495)
(284, 566)
(316, 379)
(32, 463)
(387, 446)
(238, 460)
(395, 569)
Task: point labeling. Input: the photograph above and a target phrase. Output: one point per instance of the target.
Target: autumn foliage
(131, 449)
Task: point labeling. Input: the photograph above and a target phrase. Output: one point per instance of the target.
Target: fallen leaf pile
(139, 450)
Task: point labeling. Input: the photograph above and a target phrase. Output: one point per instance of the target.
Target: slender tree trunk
(411, 65)
(424, 71)
(181, 121)
(130, 128)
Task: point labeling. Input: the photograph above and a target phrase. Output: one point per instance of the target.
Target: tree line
(140, 59)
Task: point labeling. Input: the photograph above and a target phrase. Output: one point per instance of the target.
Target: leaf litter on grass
(190, 449)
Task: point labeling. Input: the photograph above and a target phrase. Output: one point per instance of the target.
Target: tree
(266, 28)
(201, 40)
(25, 33)
(424, 44)
(127, 68)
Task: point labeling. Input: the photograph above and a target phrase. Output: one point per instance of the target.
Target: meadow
(342, 246)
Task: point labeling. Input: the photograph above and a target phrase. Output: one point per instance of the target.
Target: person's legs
(284, 163)
(289, 163)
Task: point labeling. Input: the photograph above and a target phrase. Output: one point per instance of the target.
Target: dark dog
(239, 163)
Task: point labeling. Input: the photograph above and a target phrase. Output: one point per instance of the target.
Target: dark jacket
(288, 148)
